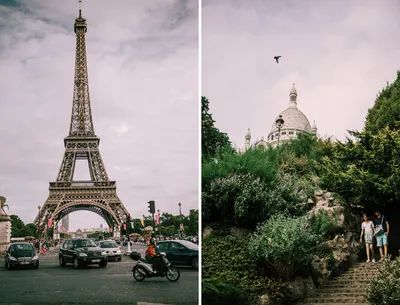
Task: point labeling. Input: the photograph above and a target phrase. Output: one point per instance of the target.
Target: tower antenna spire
(80, 8)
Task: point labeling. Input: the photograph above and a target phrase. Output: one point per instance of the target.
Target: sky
(339, 54)
(143, 79)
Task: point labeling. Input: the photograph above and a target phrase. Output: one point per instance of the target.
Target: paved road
(52, 284)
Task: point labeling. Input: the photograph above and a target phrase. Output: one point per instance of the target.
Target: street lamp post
(279, 124)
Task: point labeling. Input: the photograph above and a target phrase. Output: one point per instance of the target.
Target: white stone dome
(295, 122)
(294, 119)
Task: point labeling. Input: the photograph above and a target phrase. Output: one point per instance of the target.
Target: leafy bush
(284, 244)
(237, 199)
(227, 260)
(245, 199)
(215, 292)
(321, 224)
(384, 288)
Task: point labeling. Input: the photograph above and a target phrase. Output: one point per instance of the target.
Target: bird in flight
(277, 59)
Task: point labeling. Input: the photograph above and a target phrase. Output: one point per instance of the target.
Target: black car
(81, 252)
(180, 252)
(21, 254)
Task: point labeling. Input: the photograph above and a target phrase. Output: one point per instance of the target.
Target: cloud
(338, 55)
(142, 65)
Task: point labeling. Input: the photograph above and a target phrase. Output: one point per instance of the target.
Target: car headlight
(104, 253)
(12, 258)
(118, 251)
(82, 254)
(35, 257)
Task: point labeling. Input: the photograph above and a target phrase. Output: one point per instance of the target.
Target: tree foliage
(19, 229)
(212, 140)
(365, 168)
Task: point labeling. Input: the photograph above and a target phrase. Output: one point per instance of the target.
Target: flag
(110, 229)
(54, 225)
(142, 222)
(125, 226)
(181, 226)
(49, 222)
(157, 217)
(132, 225)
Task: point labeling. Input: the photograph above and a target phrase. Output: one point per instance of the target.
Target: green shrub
(284, 244)
(215, 292)
(227, 260)
(239, 199)
(321, 224)
(385, 287)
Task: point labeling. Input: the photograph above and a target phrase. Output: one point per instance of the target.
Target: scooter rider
(153, 255)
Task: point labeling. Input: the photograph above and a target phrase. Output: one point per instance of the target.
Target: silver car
(113, 251)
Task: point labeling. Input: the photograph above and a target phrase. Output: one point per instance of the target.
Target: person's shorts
(381, 240)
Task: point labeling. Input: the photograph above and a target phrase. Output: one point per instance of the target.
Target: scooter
(144, 269)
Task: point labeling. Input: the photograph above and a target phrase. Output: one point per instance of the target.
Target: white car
(113, 251)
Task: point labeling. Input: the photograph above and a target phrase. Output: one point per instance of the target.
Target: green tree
(365, 168)
(17, 226)
(386, 110)
(212, 140)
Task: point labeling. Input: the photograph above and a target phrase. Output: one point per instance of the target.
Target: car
(113, 251)
(21, 254)
(180, 252)
(81, 252)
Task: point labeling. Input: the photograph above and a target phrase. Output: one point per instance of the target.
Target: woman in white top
(368, 230)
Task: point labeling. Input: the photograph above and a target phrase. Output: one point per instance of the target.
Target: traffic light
(152, 206)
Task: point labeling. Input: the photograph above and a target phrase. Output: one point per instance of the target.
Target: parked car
(21, 254)
(81, 252)
(180, 252)
(113, 251)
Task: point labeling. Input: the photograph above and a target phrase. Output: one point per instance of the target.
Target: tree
(365, 169)
(19, 229)
(386, 110)
(212, 140)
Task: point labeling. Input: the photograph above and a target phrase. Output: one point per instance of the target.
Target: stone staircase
(348, 288)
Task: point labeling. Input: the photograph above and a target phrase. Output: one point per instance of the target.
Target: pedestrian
(368, 230)
(382, 234)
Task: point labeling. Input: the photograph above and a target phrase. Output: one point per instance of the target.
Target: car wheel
(77, 263)
(119, 259)
(61, 261)
(103, 264)
(195, 263)
(8, 266)
(36, 266)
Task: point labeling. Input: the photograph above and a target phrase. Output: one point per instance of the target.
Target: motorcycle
(144, 269)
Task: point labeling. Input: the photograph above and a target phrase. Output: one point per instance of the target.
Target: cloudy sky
(339, 54)
(143, 79)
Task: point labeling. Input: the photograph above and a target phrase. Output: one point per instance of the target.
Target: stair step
(339, 294)
(340, 300)
(338, 286)
(342, 289)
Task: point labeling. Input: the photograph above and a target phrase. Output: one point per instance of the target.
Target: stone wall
(5, 233)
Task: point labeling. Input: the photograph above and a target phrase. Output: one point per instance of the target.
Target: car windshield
(189, 245)
(21, 249)
(108, 244)
(83, 243)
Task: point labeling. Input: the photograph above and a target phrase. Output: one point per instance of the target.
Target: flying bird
(277, 59)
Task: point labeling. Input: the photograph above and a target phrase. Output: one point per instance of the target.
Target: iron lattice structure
(98, 195)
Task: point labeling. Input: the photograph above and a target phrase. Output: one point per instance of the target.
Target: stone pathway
(348, 288)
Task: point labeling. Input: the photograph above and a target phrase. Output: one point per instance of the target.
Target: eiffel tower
(98, 195)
